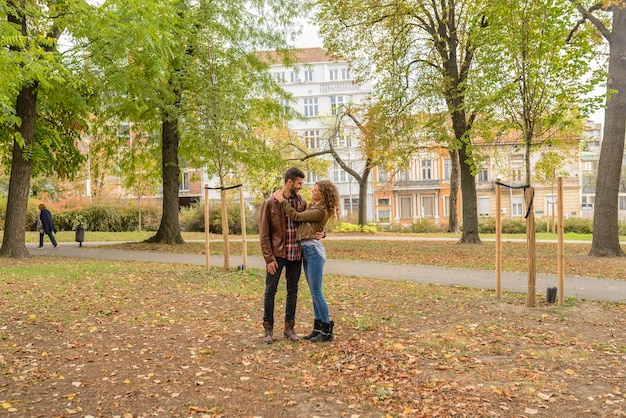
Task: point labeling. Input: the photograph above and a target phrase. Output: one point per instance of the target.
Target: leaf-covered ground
(85, 338)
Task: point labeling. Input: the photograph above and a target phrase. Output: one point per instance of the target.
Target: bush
(424, 226)
(578, 225)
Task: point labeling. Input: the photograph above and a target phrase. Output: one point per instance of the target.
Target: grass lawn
(105, 338)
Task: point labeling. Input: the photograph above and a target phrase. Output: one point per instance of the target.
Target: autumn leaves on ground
(99, 338)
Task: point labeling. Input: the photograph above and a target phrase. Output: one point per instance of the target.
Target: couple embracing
(290, 233)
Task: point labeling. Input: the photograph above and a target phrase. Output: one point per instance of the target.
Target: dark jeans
(52, 240)
(292, 276)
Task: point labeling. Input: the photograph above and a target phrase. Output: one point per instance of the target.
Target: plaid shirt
(291, 244)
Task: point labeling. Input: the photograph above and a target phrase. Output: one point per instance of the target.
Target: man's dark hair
(293, 173)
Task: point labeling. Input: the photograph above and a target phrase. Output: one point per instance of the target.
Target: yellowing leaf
(127, 381)
(6, 405)
(570, 372)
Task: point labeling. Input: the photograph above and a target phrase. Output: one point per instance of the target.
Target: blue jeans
(313, 264)
(292, 276)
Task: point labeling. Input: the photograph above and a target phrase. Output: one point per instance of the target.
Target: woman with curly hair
(324, 206)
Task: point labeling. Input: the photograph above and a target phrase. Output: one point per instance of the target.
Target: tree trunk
(453, 213)
(169, 229)
(605, 221)
(470, 205)
(363, 196)
(14, 240)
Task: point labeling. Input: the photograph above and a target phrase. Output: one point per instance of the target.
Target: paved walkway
(578, 287)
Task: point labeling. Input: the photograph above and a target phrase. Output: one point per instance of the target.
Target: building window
(308, 76)
(428, 207)
(447, 168)
(293, 77)
(383, 202)
(334, 75)
(405, 207)
(483, 206)
(383, 215)
(345, 74)
(351, 206)
(312, 139)
(342, 140)
(517, 206)
(337, 104)
(285, 105)
(338, 174)
(281, 77)
(446, 206)
(184, 181)
(312, 178)
(483, 175)
(310, 107)
(383, 175)
(427, 169)
(622, 203)
(550, 204)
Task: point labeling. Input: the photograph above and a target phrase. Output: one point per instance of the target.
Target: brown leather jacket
(273, 228)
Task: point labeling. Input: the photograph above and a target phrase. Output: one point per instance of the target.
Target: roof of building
(303, 56)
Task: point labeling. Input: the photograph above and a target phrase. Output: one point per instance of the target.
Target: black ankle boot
(317, 328)
(326, 334)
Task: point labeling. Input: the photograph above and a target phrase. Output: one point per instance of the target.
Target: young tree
(605, 240)
(539, 71)
(418, 49)
(40, 110)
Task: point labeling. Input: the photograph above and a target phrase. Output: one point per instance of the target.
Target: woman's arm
(310, 215)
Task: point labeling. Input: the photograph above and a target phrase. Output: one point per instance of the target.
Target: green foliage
(351, 228)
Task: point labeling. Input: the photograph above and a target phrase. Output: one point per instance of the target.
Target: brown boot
(269, 329)
(290, 334)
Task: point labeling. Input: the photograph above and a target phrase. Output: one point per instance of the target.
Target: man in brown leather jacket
(280, 250)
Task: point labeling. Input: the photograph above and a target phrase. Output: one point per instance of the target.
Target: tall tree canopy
(42, 102)
(423, 54)
(155, 59)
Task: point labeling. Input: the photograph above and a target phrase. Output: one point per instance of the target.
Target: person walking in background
(47, 226)
(280, 250)
(324, 205)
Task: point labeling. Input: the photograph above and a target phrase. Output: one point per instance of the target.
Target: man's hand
(272, 267)
(278, 195)
(320, 235)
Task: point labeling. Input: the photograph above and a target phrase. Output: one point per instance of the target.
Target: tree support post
(531, 292)
(244, 243)
(561, 245)
(206, 228)
(498, 240)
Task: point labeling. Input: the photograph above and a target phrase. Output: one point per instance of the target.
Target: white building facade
(321, 86)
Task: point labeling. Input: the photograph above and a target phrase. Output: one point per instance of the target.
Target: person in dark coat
(47, 225)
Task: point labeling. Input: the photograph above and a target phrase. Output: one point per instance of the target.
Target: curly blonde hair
(330, 195)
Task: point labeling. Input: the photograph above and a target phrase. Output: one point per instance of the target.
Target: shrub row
(518, 226)
(109, 217)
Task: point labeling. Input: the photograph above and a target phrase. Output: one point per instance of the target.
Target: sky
(309, 38)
